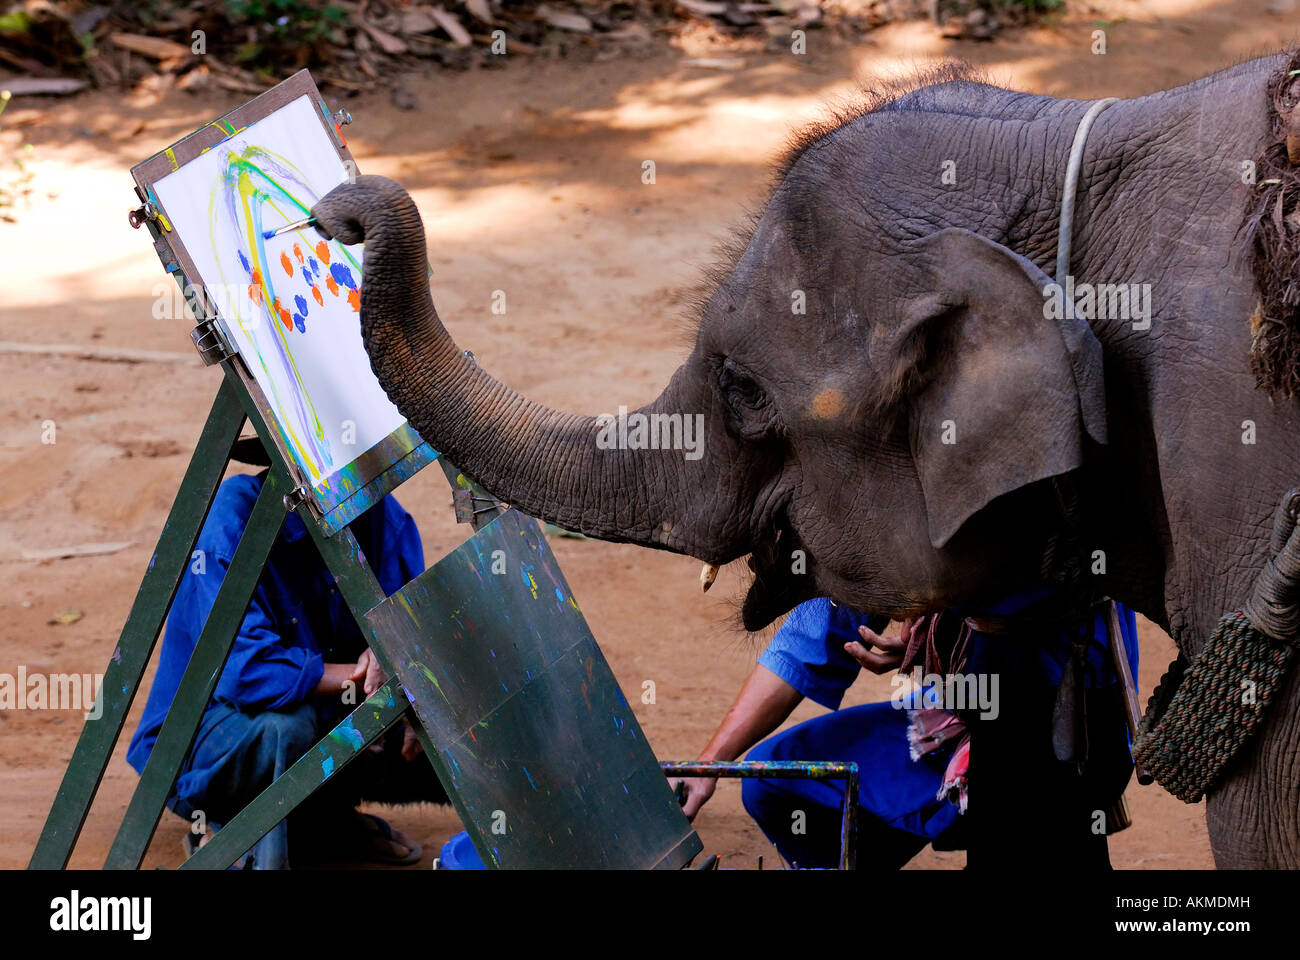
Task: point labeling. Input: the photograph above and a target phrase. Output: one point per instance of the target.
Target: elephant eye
(739, 387)
(753, 415)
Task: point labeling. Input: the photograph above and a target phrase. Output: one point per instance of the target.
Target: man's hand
(369, 672)
(696, 792)
(335, 678)
(888, 656)
(366, 671)
(411, 747)
(763, 704)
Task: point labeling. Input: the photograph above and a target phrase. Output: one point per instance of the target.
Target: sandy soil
(529, 181)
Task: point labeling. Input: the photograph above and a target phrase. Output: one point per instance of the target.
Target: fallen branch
(42, 86)
(106, 354)
(78, 550)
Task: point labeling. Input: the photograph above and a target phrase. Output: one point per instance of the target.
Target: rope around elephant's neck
(1065, 238)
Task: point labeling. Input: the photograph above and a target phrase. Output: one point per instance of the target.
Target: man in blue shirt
(297, 667)
(906, 802)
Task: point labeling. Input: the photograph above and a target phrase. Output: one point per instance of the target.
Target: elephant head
(873, 402)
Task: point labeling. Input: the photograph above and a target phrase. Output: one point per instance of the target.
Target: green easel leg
(336, 749)
(140, 633)
(200, 677)
(362, 591)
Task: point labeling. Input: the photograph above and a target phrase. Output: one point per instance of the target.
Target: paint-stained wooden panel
(536, 743)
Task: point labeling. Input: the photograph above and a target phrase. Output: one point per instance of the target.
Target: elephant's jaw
(782, 576)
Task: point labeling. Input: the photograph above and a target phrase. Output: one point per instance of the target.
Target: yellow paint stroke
(227, 128)
(428, 675)
(249, 195)
(246, 190)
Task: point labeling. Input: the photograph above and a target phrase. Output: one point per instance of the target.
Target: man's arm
(817, 653)
(336, 676)
(763, 704)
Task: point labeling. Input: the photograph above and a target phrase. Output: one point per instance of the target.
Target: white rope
(1065, 238)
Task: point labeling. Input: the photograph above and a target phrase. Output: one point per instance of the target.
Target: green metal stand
(668, 835)
(140, 634)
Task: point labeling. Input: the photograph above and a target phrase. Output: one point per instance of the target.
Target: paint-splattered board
(289, 304)
(537, 746)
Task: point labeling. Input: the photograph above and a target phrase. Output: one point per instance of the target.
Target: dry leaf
(459, 35)
(705, 8)
(197, 79)
(564, 20)
(66, 617)
(237, 83)
(149, 46)
(387, 42)
(418, 20)
(480, 10)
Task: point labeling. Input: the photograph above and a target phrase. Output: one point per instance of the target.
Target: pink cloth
(933, 645)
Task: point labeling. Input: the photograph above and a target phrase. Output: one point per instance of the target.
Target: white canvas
(292, 302)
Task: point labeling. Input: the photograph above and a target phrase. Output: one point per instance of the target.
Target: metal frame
(788, 770)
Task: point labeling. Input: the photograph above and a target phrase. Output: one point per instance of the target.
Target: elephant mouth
(782, 576)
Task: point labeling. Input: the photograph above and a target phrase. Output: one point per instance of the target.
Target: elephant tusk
(708, 573)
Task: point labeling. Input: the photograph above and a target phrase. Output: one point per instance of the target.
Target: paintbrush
(289, 228)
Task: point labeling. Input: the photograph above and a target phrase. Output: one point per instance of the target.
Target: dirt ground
(529, 179)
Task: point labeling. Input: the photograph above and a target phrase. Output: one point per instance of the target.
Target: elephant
(889, 399)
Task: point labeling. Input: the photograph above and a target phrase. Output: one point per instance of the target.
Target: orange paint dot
(297, 252)
(255, 294)
(354, 298)
(333, 287)
(283, 314)
(315, 292)
(284, 262)
(257, 276)
(323, 251)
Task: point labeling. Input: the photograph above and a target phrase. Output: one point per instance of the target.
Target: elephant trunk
(547, 463)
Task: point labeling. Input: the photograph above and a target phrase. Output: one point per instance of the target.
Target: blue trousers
(898, 808)
(239, 755)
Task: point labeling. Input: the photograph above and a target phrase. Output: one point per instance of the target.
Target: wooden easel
(521, 718)
(658, 835)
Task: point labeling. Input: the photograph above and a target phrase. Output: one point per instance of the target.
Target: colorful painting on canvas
(291, 303)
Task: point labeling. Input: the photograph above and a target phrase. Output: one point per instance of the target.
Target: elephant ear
(1007, 389)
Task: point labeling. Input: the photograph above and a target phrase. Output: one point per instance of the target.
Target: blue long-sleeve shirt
(296, 622)
(808, 651)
